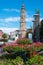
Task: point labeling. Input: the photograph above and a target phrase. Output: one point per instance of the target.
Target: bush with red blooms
(34, 48)
(25, 51)
(23, 41)
(12, 49)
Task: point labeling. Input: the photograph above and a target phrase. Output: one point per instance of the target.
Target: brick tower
(22, 22)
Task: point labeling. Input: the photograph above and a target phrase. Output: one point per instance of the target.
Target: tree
(4, 36)
(41, 31)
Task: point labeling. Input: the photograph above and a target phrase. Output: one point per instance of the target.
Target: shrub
(12, 49)
(36, 48)
(23, 41)
(36, 60)
(17, 61)
(8, 49)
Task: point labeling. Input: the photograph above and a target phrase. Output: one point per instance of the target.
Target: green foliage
(20, 49)
(11, 49)
(4, 40)
(23, 41)
(36, 60)
(36, 48)
(41, 47)
(4, 36)
(32, 48)
(18, 61)
(14, 51)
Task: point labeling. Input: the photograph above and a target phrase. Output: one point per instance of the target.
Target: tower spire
(22, 6)
(22, 18)
(22, 22)
(37, 11)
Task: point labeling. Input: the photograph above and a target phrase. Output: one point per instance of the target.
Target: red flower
(31, 55)
(34, 53)
(28, 49)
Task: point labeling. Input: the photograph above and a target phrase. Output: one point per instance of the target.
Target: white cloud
(8, 30)
(29, 19)
(17, 19)
(10, 19)
(11, 10)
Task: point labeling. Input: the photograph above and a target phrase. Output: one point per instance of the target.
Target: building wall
(14, 35)
(1, 33)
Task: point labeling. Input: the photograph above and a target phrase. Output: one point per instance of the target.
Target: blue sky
(10, 13)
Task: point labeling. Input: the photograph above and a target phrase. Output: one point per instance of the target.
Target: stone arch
(29, 31)
(27, 34)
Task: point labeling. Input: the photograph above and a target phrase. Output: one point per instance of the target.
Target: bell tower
(36, 27)
(36, 19)
(22, 22)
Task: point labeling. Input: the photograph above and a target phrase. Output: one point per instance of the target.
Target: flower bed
(27, 54)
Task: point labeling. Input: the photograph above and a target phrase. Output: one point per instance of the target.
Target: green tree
(4, 36)
(41, 31)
